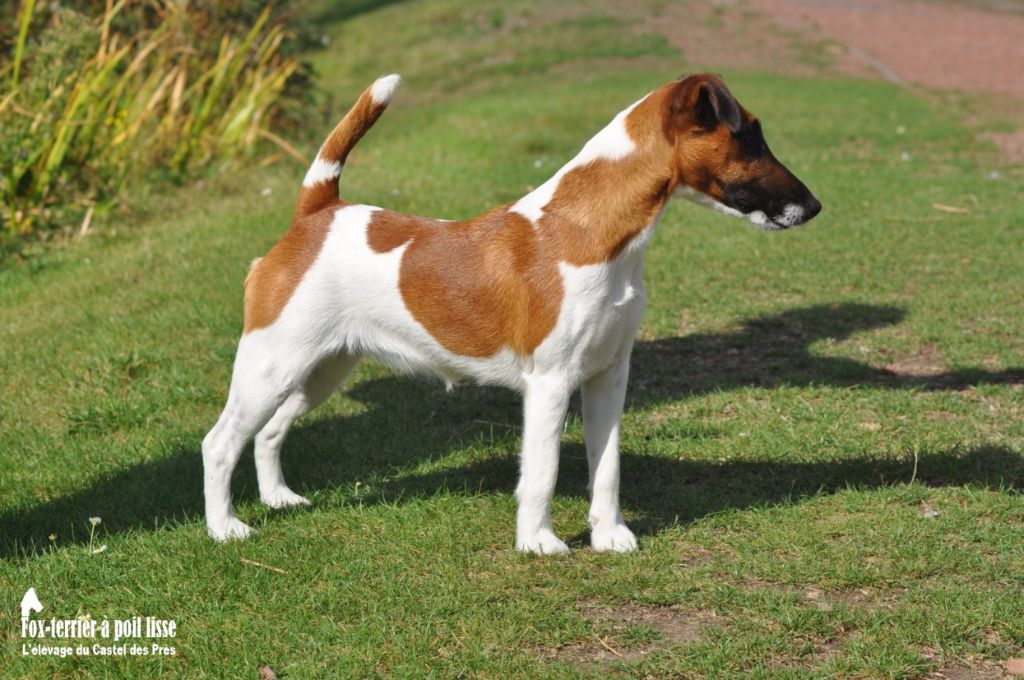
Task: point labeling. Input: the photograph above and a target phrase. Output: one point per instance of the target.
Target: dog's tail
(320, 187)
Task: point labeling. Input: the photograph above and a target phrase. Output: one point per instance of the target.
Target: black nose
(813, 208)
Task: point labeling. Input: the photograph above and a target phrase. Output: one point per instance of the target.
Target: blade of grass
(24, 21)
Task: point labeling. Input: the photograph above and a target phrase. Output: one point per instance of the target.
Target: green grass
(782, 480)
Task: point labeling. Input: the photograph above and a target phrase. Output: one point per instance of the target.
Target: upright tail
(320, 187)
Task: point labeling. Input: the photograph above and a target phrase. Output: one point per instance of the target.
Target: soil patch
(977, 673)
(1010, 143)
(925, 363)
(613, 625)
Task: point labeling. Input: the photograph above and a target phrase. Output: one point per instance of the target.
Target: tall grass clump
(97, 95)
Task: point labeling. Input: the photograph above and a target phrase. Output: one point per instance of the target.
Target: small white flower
(94, 520)
(97, 551)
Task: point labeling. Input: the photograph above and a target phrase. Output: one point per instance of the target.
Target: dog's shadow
(405, 422)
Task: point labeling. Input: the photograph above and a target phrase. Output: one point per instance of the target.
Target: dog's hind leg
(321, 384)
(259, 385)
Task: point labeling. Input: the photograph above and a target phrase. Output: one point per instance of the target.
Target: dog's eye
(760, 136)
(752, 140)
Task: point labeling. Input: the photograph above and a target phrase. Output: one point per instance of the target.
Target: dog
(544, 295)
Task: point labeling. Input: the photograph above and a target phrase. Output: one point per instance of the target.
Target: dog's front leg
(545, 401)
(603, 395)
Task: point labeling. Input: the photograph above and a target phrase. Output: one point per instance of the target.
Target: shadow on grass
(407, 422)
(774, 351)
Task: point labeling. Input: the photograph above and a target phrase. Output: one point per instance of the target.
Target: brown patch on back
(493, 281)
(476, 285)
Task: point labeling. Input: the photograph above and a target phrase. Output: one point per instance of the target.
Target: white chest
(602, 308)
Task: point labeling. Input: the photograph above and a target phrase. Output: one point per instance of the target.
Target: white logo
(104, 637)
(30, 603)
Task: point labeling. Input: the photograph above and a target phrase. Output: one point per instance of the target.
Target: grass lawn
(824, 439)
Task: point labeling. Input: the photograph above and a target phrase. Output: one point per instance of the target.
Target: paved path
(937, 44)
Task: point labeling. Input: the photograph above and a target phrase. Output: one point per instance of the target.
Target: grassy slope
(767, 451)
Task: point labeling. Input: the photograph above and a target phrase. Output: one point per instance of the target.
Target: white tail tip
(384, 88)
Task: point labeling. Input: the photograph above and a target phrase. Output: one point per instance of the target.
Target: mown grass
(801, 407)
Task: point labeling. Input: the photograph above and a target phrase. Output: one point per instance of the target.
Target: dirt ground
(946, 45)
(974, 46)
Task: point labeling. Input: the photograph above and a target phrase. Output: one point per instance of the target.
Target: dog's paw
(616, 538)
(543, 542)
(231, 530)
(284, 498)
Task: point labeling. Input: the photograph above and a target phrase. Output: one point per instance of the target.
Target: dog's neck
(614, 189)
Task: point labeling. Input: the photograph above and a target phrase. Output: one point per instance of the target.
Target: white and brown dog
(543, 296)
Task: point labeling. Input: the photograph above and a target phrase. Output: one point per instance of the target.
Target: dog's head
(722, 161)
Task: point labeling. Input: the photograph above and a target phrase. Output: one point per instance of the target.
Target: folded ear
(702, 100)
(715, 104)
